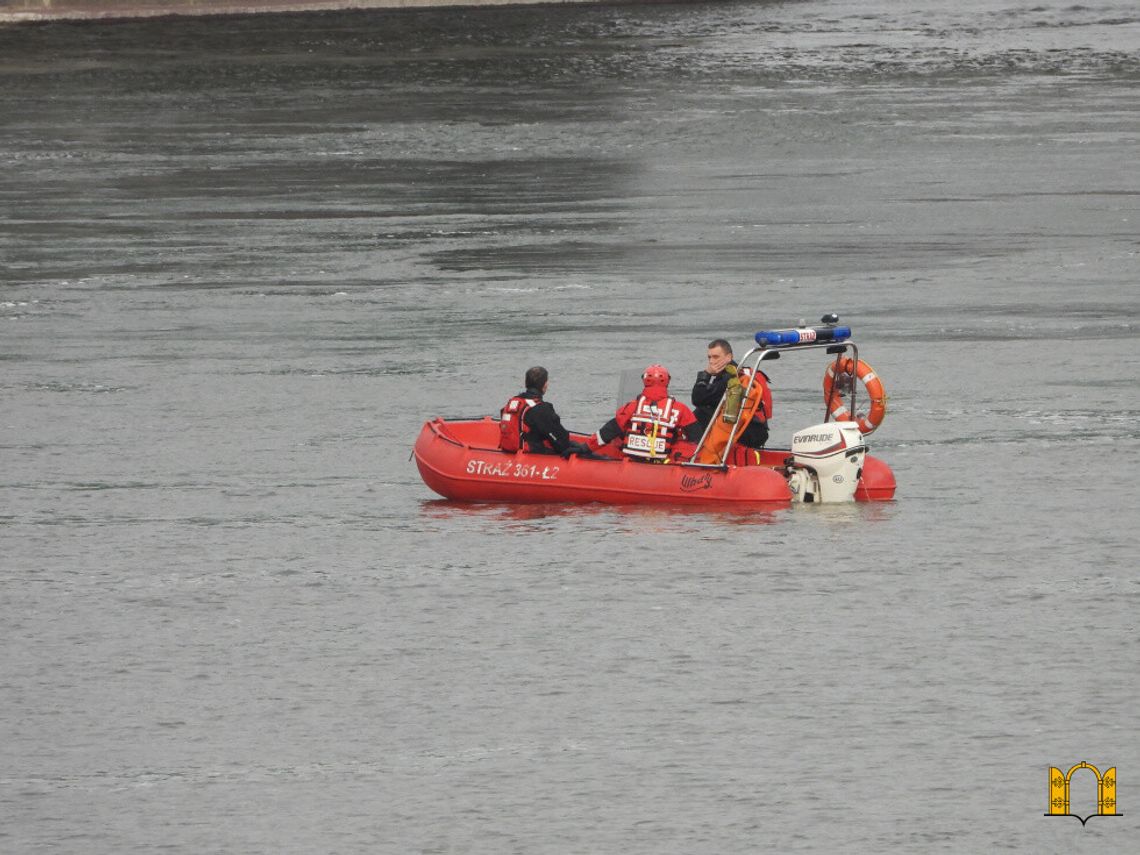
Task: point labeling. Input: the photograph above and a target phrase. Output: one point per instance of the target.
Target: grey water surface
(244, 259)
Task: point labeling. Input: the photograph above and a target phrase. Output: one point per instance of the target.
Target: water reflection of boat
(632, 519)
(460, 458)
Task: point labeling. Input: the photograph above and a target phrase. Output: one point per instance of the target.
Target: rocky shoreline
(18, 11)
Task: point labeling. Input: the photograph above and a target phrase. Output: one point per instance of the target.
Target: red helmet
(655, 375)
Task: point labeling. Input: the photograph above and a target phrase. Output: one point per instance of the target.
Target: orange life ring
(833, 397)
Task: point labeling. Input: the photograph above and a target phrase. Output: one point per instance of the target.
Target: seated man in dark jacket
(529, 423)
(709, 389)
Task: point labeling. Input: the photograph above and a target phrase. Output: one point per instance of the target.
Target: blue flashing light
(803, 335)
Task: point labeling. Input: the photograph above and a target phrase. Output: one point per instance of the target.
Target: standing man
(709, 389)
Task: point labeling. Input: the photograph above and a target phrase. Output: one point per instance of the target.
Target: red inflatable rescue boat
(461, 459)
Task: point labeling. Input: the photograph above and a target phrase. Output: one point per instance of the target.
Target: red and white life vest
(511, 425)
(652, 428)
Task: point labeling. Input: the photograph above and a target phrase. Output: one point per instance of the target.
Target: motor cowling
(826, 463)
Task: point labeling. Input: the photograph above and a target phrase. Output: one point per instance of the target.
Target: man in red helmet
(654, 426)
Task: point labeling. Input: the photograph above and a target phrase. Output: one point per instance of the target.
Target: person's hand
(717, 364)
(575, 448)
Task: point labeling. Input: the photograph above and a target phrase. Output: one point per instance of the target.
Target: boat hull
(460, 460)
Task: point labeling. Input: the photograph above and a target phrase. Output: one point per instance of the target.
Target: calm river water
(245, 258)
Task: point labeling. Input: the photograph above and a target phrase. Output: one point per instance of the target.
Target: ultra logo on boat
(692, 483)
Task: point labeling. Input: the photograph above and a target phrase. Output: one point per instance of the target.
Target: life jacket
(764, 411)
(511, 425)
(652, 428)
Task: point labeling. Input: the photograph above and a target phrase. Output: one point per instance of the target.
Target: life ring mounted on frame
(840, 375)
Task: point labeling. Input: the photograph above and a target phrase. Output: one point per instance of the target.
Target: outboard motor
(826, 463)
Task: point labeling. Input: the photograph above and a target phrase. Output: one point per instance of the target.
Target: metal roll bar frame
(774, 352)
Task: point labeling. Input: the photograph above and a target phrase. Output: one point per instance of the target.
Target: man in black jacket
(533, 421)
(709, 389)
